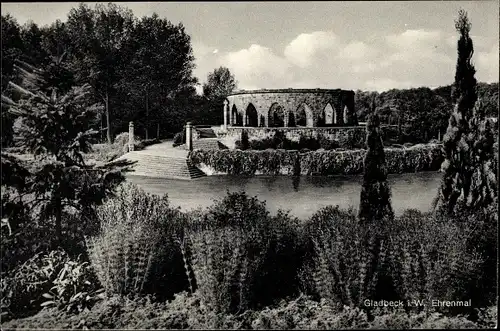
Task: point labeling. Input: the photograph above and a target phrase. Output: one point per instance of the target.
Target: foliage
(54, 129)
(220, 83)
(375, 199)
(135, 251)
(430, 258)
(469, 181)
(186, 312)
(68, 284)
(229, 245)
(180, 138)
(273, 162)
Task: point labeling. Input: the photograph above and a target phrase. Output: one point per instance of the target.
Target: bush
(180, 138)
(229, 245)
(429, 259)
(135, 245)
(48, 279)
(348, 257)
(273, 162)
(244, 258)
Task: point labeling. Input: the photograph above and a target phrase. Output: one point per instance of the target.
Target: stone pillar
(225, 113)
(189, 136)
(258, 120)
(245, 119)
(286, 115)
(130, 136)
(345, 117)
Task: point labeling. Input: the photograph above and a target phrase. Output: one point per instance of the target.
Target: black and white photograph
(259, 165)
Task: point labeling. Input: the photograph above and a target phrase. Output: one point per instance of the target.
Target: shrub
(272, 162)
(69, 284)
(375, 198)
(430, 259)
(348, 257)
(180, 138)
(229, 245)
(135, 244)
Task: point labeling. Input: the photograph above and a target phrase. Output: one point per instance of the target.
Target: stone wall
(345, 137)
(313, 102)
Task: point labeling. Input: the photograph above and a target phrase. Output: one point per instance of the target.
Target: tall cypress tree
(375, 199)
(470, 177)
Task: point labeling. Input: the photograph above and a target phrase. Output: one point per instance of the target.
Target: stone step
(150, 165)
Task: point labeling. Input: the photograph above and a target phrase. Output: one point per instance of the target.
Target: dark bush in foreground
(48, 280)
(242, 257)
(136, 250)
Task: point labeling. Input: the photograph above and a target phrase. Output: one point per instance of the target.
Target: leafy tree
(470, 180)
(219, 83)
(98, 37)
(54, 128)
(32, 40)
(375, 198)
(161, 73)
(12, 49)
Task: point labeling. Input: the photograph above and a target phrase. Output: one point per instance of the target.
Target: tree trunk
(157, 130)
(58, 225)
(108, 120)
(147, 114)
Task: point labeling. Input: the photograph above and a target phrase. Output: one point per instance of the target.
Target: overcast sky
(351, 45)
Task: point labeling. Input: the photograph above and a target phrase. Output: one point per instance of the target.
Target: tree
(97, 40)
(55, 130)
(219, 83)
(12, 49)
(470, 180)
(161, 73)
(375, 198)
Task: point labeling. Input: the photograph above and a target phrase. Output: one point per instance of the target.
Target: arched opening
(236, 118)
(304, 116)
(291, 119)
(328, 111)
(262, 121)
(252, 117)
(276, 116)
(346, 116)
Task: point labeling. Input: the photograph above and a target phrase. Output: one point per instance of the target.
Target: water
(303, 196)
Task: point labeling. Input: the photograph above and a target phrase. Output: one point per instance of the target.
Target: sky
(372, 46)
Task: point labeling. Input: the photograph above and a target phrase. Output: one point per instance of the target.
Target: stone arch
(330, 115)
(276, 116)
(252, 116)
(304, 116)
(236, 117)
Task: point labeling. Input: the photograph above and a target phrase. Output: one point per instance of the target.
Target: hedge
(332, 162)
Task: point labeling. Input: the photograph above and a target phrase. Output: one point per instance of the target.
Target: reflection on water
(301, 195)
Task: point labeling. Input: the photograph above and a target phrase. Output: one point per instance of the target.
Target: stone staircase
(206, 133)
(207, 143)
(162, 162)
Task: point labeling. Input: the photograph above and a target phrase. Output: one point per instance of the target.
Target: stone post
(130, 136)
(225, 113)
(189, 136)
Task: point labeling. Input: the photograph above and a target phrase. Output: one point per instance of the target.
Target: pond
(303, 196)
